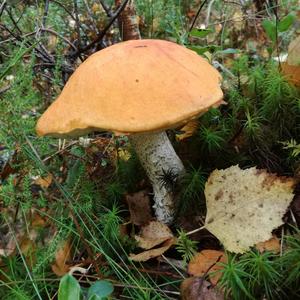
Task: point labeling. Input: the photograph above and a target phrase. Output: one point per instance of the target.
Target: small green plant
(291, 262)
(275, 28)
(191, 189)
(263, 270)
(69, 289)
(185, 246)
(234, 279)
(253, 126)
(293, 147)
(213, 139)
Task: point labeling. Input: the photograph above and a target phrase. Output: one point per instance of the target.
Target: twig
(77, 24)
(197, 15)
(45, 13)
(106, 9)
(128, 25)
(2, 7)
(102, 34)
(91, 16)
(51, 79)
(60, 151)
(4, 89)
(196, 230)
(208, 12)
(67, 11)
(60, 36)
(87, 246)
(13, 20)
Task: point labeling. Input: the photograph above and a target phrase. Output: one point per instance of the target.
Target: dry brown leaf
(294, 52)
(52, 43)
(245, 206)
(196, 288)
(38, 220)
(291, 69)
(146, 255)
(44, 182)
(272, 244)
(187, 130)
(28, 248)
(153, 234)
(139, 208)
(63, 254)
(238, 20)
(292, 73)
(206, 261)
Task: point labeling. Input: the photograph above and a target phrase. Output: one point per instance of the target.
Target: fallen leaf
(293, 58)
(52, 43)
(63, 254)
(146, 255)
(244, 206)
(44, 182)
(9, 244)
(291, 68)
(272, 244)
(205, 262)
(292, 73)
(28, 249)
(37, 220)
(139, 208)
(123, 154)
(196, 288)
(187, 130)
(153, 234)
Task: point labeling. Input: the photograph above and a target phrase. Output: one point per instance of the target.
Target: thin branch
(105, 8)
(197, 15)
(4, 89)
(68, 12)
(104, 31)
(77, 23)
(60, 36)
(2, 7)
(208, 12)
(13, 20)
(45, 13)
(94, 25)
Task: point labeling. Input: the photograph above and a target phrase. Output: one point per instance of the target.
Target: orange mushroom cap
(133, 87)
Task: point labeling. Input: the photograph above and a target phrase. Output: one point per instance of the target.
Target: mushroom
(139, 88)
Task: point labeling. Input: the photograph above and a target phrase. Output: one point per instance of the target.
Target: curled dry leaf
(188, 130)
(272, 244)
(153, 234)
(146, 255)
(196, 288)
(60, 267)
(44, 182)
(244, 206)
(205, 262)
(139, 208)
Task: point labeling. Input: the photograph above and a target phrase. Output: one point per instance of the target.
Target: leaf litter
(152, 235)
(245, 206)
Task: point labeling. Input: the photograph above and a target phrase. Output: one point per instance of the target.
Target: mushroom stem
(162, 165)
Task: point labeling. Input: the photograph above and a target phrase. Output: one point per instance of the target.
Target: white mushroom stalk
(159, 158)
